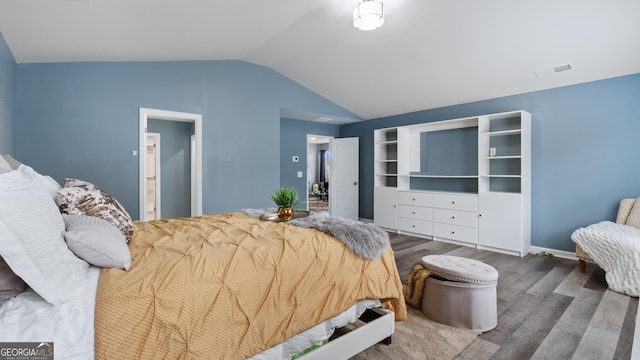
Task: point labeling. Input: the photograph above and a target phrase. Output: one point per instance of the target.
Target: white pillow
(4, 166)
(31, 240)
(45, 182)
(97, 241)
(11, 161)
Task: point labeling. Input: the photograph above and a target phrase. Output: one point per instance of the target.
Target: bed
(225, 286)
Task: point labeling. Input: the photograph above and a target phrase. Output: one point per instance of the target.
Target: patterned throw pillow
(79, 197)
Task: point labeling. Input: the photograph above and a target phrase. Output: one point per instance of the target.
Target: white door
(153, 177)
(344, 182)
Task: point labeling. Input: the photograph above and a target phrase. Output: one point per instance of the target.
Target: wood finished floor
(547, 308)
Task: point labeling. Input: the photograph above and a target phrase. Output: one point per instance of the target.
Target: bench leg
(583, 265)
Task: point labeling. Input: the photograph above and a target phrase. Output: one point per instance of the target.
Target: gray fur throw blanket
(366, 240)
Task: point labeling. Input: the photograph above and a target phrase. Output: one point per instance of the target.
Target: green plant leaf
(285, 197)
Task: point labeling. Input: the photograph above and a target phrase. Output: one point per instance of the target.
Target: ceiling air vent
(554, 69)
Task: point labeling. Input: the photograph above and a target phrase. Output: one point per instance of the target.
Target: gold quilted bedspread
(230, 286)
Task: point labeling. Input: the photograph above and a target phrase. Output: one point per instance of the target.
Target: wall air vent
(554, 69)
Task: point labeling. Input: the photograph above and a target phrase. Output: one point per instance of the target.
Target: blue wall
(7, 98)
(175, 166)
(585, 150)
(81, 120)
(293, 142)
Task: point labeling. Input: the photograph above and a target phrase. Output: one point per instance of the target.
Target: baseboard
(554, 252)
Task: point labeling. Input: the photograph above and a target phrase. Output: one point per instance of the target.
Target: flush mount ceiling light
(368, 15)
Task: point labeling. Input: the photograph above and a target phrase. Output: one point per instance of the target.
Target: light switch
(134, 152)
(299, 174)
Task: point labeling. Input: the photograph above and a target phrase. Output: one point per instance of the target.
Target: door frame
(196, 119)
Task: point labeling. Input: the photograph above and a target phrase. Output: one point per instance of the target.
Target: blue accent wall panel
(7, 98)
(449, 152)
(585, 151)
(293, 142)
(81, 120)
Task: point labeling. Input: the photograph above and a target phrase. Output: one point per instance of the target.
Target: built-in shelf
(443, 176)
(500, 176)
(413, 159)
(501, 157)
(503, 132)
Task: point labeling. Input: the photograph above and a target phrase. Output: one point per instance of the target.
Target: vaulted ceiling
(428, 53)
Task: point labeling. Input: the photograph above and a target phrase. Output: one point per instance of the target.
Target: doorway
(194, 148)
(318, 172)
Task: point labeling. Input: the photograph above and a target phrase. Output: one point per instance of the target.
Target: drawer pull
(413, 212)
(453, 232)
(414, 199)
(413, 226)
(453, 202)
(453, 217)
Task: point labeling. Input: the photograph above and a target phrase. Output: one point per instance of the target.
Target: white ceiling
(428, 54)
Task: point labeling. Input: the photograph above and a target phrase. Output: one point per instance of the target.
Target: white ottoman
(460, 292)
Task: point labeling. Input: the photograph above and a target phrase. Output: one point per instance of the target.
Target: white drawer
(456, 202)
(415, 198)
(415, 226)
(455, 217)
(415, 212)
(455, 232)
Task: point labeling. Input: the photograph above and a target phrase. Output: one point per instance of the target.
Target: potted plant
(285, 198)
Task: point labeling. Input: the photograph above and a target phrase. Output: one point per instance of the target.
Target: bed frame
(380, 325)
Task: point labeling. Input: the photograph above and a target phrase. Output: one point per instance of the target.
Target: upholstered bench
(460, 292)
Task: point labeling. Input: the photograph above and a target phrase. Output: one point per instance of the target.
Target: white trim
(144, 115)
(194, 192)
(557, 253)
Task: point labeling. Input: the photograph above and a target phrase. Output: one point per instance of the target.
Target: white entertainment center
(465, 181)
